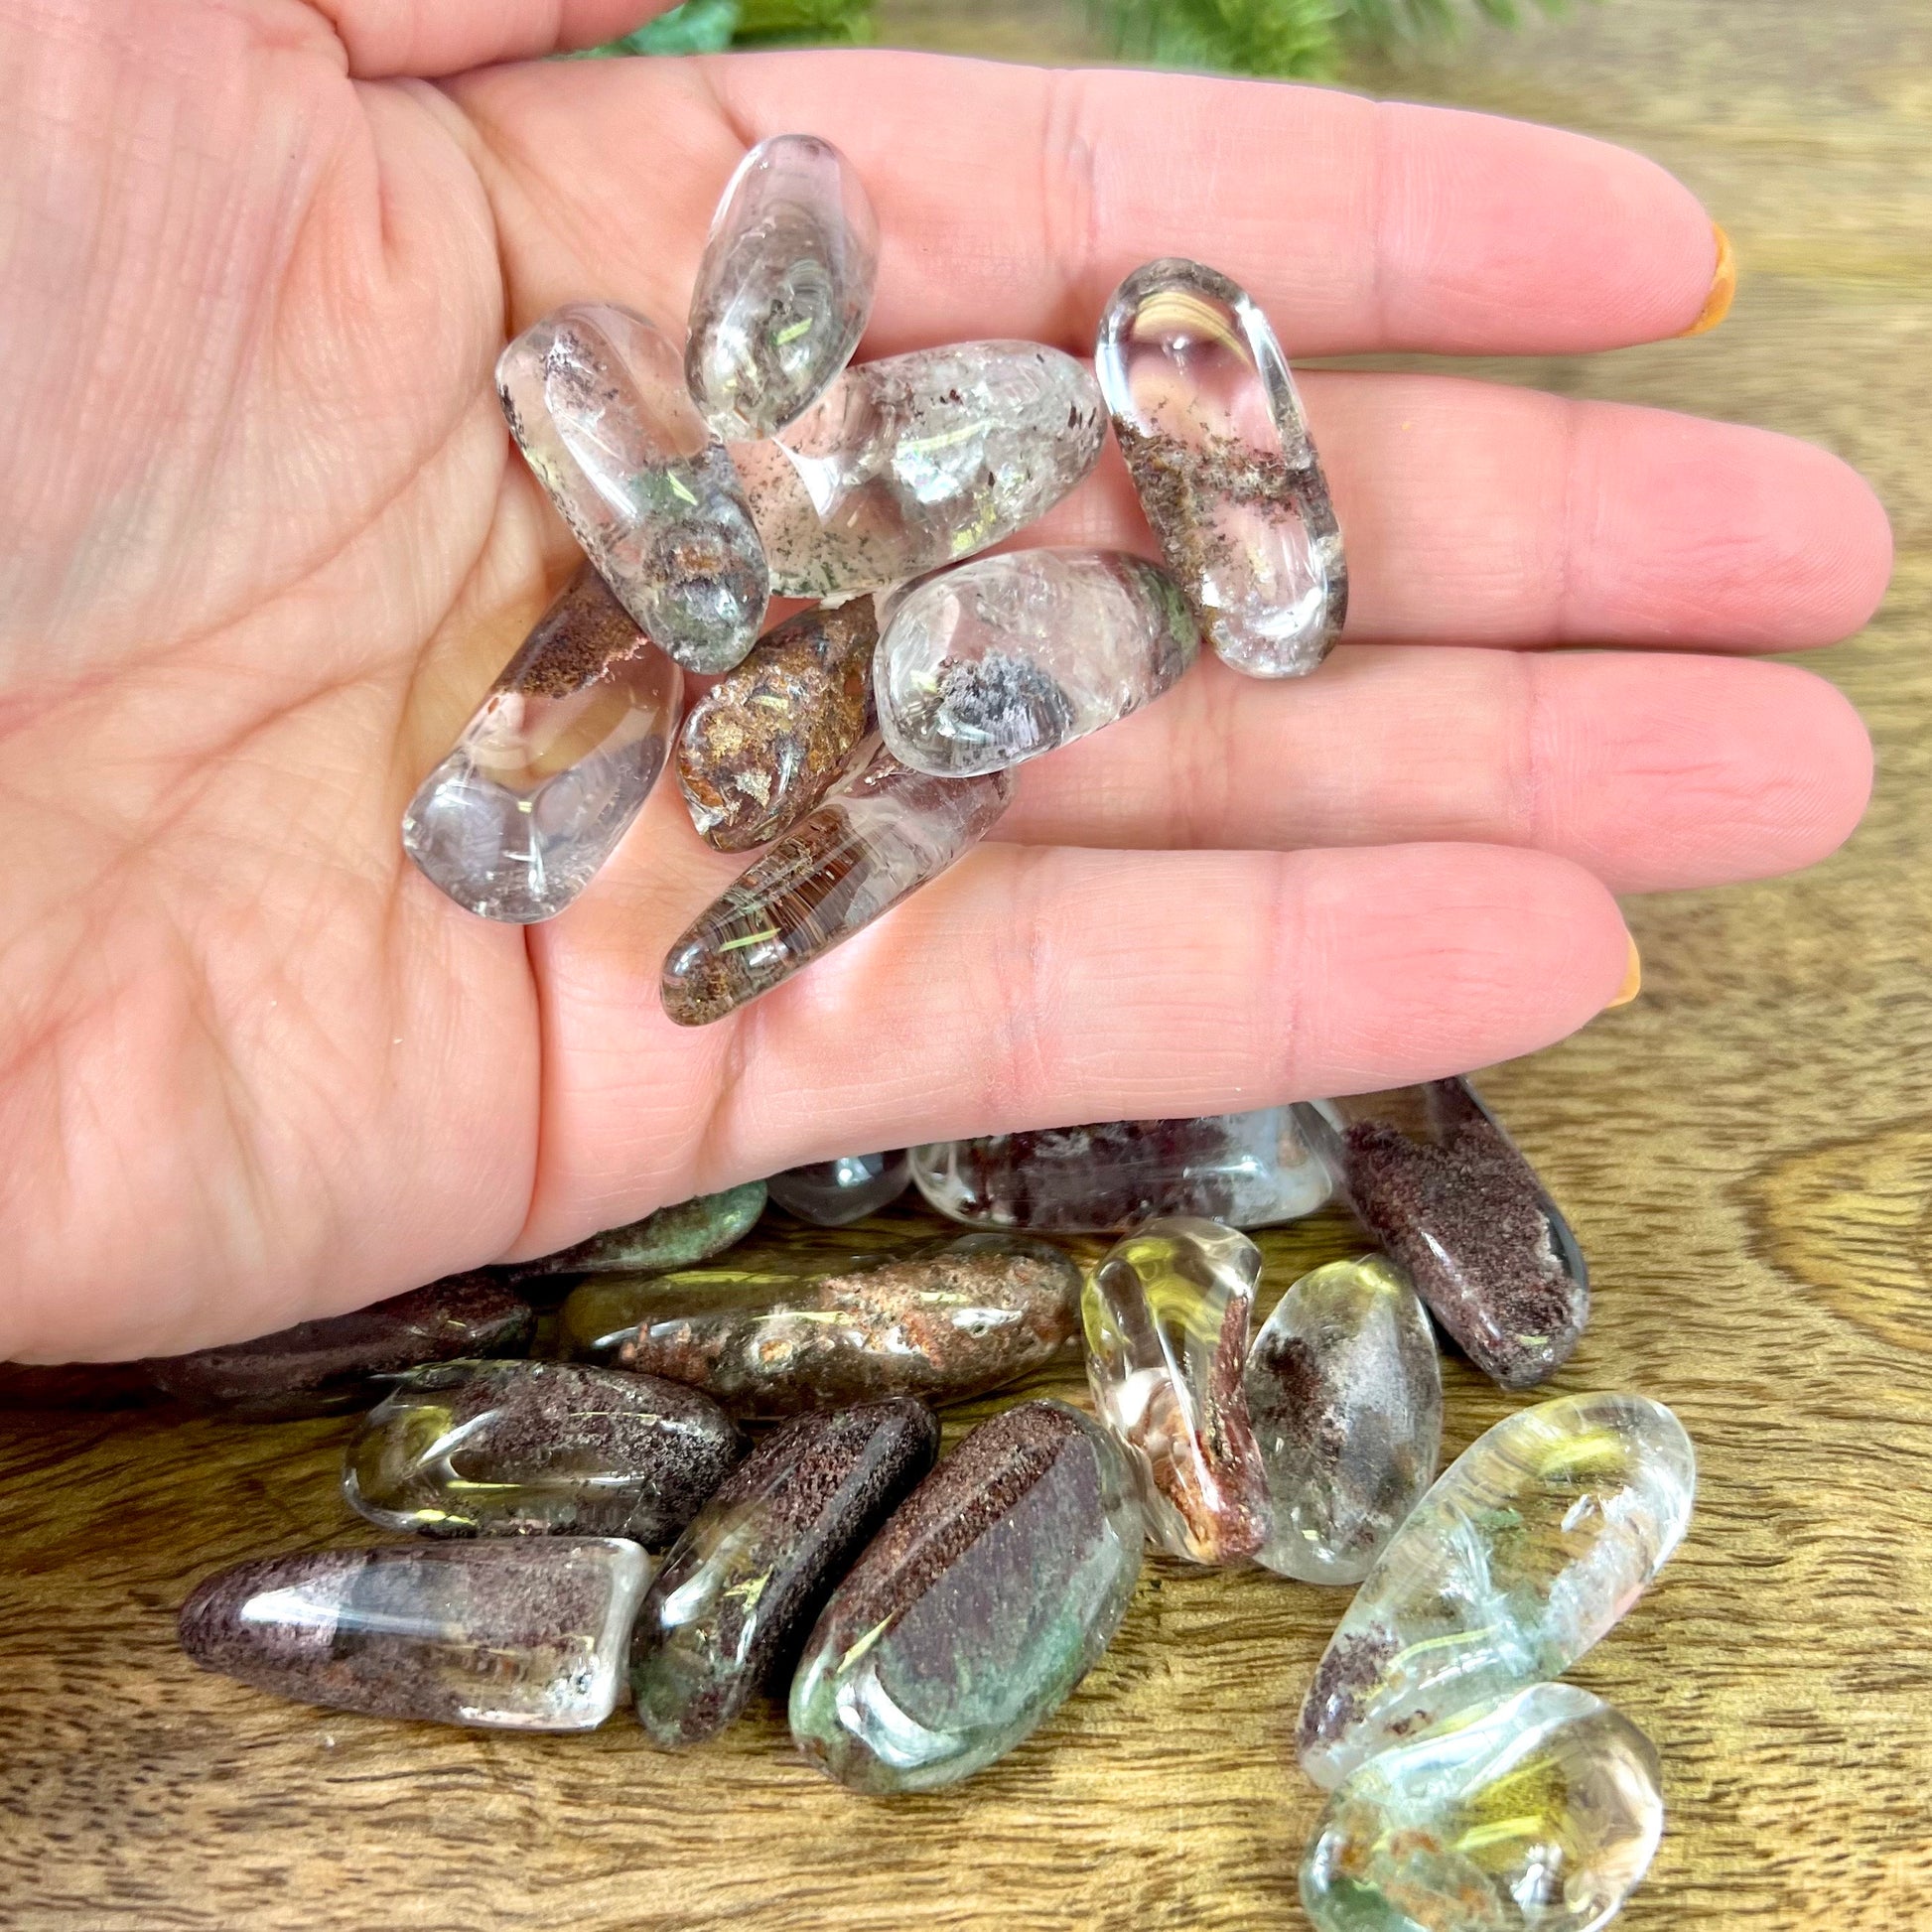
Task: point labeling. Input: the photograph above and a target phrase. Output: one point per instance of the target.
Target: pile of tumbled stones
(928, 1615)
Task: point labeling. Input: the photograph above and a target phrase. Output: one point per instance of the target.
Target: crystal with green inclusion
(678, 1236)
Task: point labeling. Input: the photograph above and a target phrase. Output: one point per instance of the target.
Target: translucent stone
(516, 1635)
(1346, 1395)
(1528, 1549)
(595, 396)
(554, 765)
(1540, 1813)
(1249, 1171)
(766, 742)
(510, 1449)
(1166, 1316)
(1430, 1173)
(868, 846)
(784, 287)
(1206, 415)
(736, 1596)
(969, 1620)
(918, 461)
(677, 1236)
(945, 1322)
(832, 1193)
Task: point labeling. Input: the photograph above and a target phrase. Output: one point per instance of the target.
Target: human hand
(267, 544)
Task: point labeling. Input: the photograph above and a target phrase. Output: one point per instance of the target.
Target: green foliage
(708, 26)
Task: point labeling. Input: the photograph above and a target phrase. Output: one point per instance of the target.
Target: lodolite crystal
(686, 1232)
(554, 765)
(1207, 417)
(832, 1193)
(1528, 1549)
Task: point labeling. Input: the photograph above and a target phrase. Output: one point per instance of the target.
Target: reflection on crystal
(687, 1231)
(831, 1193)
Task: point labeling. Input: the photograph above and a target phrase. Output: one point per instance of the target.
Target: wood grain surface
(1747, 1153)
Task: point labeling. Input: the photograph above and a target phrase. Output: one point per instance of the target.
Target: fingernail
(1632, 980)
(1723, 287)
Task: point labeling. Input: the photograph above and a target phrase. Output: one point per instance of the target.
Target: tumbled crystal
(1249, 1171)
(1346, 1395)
(1530, 1547)
(677, 1236)
(918, 461)
(1166, 1316)
(553, 768)
(766, 743)
(522, 1448)
(784, 287)
(734, 1599)
(343, 1361)
(1430, 1173)
(1539, 1813)
(871, 844)
(595, 396)
(1207, 417)
(517, 1636)
(990, 1592)
(944, 1323)
(831, 1193)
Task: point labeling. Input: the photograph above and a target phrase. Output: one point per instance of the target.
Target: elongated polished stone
(918, 461)
(784, 287)
(990, 1592)
(686, 1232)
(766, 743)
(539, 1449)
(734, 1599)
(553, 768)
(1431, 1175)
(1207, 417)
(1528, 1549)
(1539, 1813)
(1166, 1316)
(1249, 1171)
(342, 1362)
(595, 396)
(871, 844)
(1346, 1395)
(833, 1193)
(944, 1323)
(524, 1635)
(1009, 657)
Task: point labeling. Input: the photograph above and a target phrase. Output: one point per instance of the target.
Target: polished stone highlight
(833, 1193)
(1166, 1316)
(1207, 414)
(990, 1592)
(595, 396)
(678, 1236)
(1527, 1552)
(1346, 1394)
(784, 289)
(1539, 1813)
(519, 1635)
(730, 1608)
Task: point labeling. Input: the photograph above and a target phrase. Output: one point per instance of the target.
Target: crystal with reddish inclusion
(686, 1232)
(784, 287)
(868, 846)
(595, 396)
(1538, 1812)
(1346, 1395)
(1167, 1316)
(832, 1193)
(734, 1599)
(918, 461)
(1430, 1173)
(1009, 657)
(943, 1323)
(766, 743)
(553, 768)
(342, 1362)
(969, 1620)
(522, 1635)
(1528, 1549)
(1249, 1171)
(1207, 417)
(539, 1449)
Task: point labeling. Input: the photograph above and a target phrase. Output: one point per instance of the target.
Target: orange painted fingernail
(1723, 287)
(1632, 980)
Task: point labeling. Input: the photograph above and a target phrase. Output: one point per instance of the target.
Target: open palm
(263, 544)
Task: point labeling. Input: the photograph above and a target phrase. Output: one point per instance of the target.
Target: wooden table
(1747, 1153)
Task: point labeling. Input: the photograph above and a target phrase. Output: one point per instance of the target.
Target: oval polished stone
(1540, 1813)
(1529, 1548)
(515, 1449)
(990, 1592)
(834, 1194)
(677, 1236)
(735, 1596)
